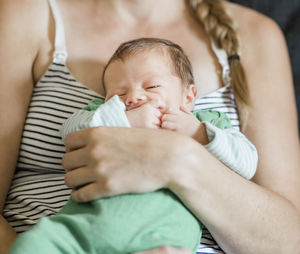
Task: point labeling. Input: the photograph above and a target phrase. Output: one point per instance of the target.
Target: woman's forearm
(242, 216)
(7, 236)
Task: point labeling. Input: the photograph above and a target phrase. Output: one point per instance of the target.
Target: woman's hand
(107, 161)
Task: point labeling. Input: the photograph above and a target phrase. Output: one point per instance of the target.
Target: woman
(238, 213)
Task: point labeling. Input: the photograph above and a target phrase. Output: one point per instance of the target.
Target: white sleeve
(233, 149)
(111, 113)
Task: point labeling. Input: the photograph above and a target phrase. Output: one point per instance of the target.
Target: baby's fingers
(156, 123)
(169, 125)
(184, 109)
(169, 117)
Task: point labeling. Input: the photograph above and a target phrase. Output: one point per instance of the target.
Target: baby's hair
(179, 61)
(220, 29)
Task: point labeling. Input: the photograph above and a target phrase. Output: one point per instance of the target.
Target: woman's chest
(87, 64)
(90, 45)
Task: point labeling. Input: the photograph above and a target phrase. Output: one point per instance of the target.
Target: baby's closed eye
(153, 86)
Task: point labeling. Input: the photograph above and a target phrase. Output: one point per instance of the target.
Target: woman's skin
(259, 216)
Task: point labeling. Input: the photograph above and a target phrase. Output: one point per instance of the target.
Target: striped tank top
(38, 187)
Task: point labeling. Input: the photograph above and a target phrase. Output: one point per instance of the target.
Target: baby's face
(143, 78)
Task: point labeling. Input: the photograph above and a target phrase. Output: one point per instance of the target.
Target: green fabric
(216, 118)
(94, 104)
(118, 225)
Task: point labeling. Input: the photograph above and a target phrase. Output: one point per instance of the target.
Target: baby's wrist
(201, 135)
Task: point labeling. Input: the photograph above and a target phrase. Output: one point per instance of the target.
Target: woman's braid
(220, 29)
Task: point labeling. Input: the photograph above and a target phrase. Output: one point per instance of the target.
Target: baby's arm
(110, 113)
(227, 144)
(232, 148)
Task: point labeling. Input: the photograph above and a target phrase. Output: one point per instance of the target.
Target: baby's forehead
(148, 61)
(151, 60)
(157, 52)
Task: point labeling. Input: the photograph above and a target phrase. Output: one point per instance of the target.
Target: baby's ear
(190, 94)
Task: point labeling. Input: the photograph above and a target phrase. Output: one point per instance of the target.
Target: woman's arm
(18, 49)
(263, 217)
(235, 210)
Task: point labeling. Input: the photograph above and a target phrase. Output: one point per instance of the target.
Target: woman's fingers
(102, 187)
(74, 159)
(87, 193)
(76, 140)
(79, 177)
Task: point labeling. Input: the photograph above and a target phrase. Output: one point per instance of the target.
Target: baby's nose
(134, 97)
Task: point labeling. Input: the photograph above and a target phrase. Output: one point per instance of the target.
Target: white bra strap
(60, 54)
(223, 60)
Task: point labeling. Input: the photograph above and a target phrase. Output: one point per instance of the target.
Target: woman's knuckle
(93, 153)
(98, 168)
(67, 140)
(81, 196)
(109, 185)
(68, 181)
(64, 161)
(94, 134)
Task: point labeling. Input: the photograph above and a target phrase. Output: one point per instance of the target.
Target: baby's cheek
(158, 101)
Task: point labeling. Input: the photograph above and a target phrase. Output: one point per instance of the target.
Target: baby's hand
(166, 250)
(181, 121)
(184, 122)
(145, 116)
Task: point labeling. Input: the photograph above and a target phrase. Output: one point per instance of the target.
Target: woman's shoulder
(28, 29)
(256, 31)
(24, 18)
(246, 16)
(262, 43)
(29, 9)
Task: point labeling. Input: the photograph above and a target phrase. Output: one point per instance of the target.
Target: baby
(148, 84)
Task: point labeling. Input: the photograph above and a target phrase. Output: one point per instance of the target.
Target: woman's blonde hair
(220, 29)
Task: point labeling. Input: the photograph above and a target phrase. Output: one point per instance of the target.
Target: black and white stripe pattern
(38, 187)
(221, 100)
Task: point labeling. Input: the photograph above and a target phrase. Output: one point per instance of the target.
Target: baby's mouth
(134, 106)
